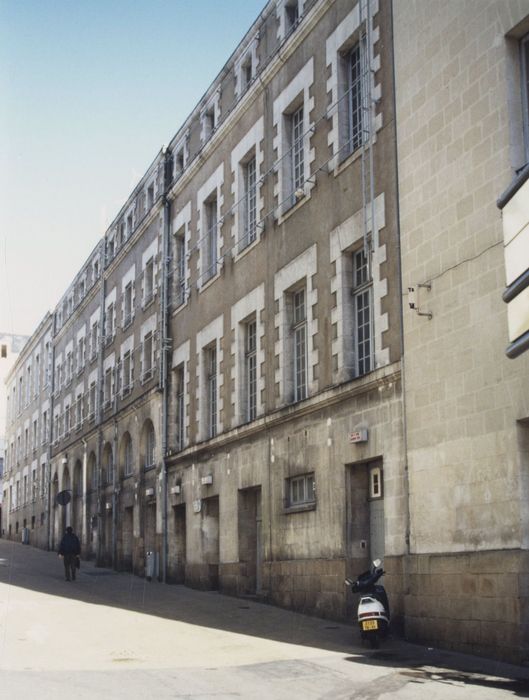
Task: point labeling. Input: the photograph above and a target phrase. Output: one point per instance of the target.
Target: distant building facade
(228, 406)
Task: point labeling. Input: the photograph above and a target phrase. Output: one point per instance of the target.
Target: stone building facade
(461, 103)
(229, 407)
(25, 502)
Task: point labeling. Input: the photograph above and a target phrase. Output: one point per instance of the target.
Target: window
(180, 268)
(34, 435)
(150, 196)
(130, 225)
(45, 427)
(26, 442)
(147, 357)
(375, 482)
(148, 282)
(249, 202)
(111, 248)
(109, 323)
(149, 445)
(180, 407)
(211, 388)
(69, 367)
(208, 123)
(36, 378)
(291, 15)
(42, 480)
(300, 490)
(108, 464)
(354, 132)
(94, 337)
(127, 462)
(81, 354)
(108, 387)
(250, 356)
(122, 233)
(362, 296)
(126, 374)
(67, 419)
(128, 310)
(3, 350)
(297, 154)
(79, 410)
(299, 327)
(211, 239)
(92, 400)
(524, 55)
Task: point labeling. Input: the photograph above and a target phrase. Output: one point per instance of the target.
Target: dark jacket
(70, 544)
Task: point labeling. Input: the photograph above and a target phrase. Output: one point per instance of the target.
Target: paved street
(111, 635)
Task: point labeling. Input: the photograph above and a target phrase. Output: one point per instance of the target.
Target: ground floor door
(250, 541)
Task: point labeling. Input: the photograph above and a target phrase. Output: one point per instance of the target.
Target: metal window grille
(211, 368)
(149, 447)
(180, 426)
(148, 289)
(298, 163)
(180, 269)
(355, 117)
(300, 345)
(251, 370)
(524, 48)
(301, 490)
(362, 292)
(250, 202)
(127, 467)
(211, 239)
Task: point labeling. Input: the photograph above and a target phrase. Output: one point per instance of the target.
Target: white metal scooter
(373, 608)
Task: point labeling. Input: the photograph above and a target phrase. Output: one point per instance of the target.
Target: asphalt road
(114, 636)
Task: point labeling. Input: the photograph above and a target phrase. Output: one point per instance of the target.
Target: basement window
(300, 493)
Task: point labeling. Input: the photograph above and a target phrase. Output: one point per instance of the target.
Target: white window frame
(295, 95)
(298, 273)
(249, 147)
(250, 306)
(180, 359)
(210, 190)
(209, 336)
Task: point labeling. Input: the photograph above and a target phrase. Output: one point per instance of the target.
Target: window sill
(286, 213)
(343, 164)
(299, 508)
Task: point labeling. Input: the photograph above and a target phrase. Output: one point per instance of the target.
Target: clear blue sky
(90, 90)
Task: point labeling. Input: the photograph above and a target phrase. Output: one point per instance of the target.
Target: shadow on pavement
(42, 572)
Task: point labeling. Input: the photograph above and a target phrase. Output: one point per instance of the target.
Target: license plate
(369, 625)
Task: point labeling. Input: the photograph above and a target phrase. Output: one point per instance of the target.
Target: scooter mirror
(376, 563)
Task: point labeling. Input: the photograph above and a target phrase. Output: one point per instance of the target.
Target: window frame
(300, 483)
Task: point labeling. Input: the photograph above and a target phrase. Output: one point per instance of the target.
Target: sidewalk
(107, 622)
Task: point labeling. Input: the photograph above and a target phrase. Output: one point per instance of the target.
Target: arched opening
(91, 505)
(66, 511)
(107, 472)
(125, 456)
(77, 494)
(148, 445)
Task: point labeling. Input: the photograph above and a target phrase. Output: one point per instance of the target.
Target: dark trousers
(69, 566)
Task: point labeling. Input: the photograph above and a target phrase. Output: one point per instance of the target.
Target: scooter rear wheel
(374, 641)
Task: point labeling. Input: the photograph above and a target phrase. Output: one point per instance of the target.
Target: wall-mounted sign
(358, 436)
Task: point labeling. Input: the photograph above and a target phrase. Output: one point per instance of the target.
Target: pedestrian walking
(69, 550)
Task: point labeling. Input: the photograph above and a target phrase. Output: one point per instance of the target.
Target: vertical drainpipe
(99, 414)
(165, 347)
